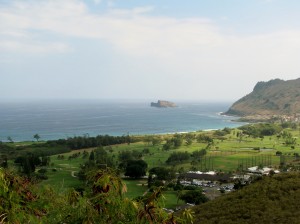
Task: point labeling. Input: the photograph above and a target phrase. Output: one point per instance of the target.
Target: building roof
(219, 177)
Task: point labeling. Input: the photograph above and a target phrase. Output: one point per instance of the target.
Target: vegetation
(37, 137)
(178, 157)
(72, 185)
(136, 168)
(194, 196)
(269, 98)
(274, 199)
(101, 202)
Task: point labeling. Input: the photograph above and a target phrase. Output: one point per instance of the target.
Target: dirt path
(73, 173)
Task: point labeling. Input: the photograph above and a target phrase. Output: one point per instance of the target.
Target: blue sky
(135, 49)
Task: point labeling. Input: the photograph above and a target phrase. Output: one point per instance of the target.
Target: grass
(226, 155)
(61, 180)
(170, 200)
(135, 187)
(138, 187)
(65, 170)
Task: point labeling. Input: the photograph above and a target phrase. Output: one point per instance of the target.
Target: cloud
(132, 31)
(128, 30)
(190, 51)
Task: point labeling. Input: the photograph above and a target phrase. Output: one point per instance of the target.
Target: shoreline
(187, 119)
(134, 135)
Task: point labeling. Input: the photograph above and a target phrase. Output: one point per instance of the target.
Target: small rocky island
(163, 103)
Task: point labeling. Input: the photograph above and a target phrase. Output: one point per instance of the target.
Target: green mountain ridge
(275, 97)
(274, 199)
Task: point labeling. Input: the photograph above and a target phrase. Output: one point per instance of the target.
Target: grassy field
(139, 187)
(135, 188)
(61, 179)
(170, 200)
(225, 155)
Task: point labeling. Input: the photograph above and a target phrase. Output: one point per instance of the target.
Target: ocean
(63, 119)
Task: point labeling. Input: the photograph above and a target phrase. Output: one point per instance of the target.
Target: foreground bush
(101, 202)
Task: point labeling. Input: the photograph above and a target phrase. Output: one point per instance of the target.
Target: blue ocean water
(63, 119)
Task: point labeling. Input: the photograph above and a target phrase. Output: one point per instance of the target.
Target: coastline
(239, 124)
(60, 121)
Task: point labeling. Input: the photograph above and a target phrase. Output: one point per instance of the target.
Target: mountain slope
(275, 97)
(273, 199)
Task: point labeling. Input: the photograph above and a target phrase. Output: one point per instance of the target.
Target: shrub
(42, 171)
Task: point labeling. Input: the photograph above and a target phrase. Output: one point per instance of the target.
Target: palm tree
(37, 137)
(10, 139)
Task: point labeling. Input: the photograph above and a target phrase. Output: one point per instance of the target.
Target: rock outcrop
(163, 103)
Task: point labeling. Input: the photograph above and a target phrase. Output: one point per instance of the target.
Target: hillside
(270, 200)
(275, 97)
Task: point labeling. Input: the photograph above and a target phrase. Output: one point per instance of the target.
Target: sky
(208, 50)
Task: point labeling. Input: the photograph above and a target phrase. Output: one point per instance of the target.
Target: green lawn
(135, 188)
(225, 155)
(64, 176)
(170, 200)
(61, 180)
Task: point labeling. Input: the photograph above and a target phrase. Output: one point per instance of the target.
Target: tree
(177, 140)
(278, 153)
(160, 174)
(102, 157)
(125, 156)
(168, 145)
(3, 161)
(28, 163)
(193, 196)
(204, 138)
(136, 154)
(136, 168)
(177, 157)
(45, 160)
(198, 154)
(92, 156)
(147, 139)
(156, 140)
(146, 151)
(189, 137)
(128, 139)
(37, 137)
(10, 139)
(189, 141)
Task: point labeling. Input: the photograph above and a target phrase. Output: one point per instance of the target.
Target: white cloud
(129, 30)
(190, 51)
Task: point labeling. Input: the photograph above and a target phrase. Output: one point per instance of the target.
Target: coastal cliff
(275, 98)
(163, 103)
